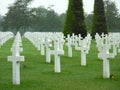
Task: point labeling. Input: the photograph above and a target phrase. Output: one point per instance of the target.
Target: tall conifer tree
(99, 21)
(75, 21)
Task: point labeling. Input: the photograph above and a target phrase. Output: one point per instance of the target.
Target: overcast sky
(60, 6)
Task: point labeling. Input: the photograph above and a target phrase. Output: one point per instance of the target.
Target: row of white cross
(5, 36)
(104, 44)
(42, 40)
(54, 42)
(81, 44)
(108, 47)
(47, 40)
(15, 58)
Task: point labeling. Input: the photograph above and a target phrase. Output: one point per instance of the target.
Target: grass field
(36, 74)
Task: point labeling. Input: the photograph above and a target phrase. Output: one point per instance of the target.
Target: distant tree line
(21, 17)
(112, 17)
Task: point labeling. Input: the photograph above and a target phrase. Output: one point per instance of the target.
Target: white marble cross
(105, 55)
(73, 39)
(84, 46)
(57, 52)
(16, 68)
(84, 51)
(48, 44)
(42, 44)
(103, 47)
(69, 45)
(16, 59)
(16, 50)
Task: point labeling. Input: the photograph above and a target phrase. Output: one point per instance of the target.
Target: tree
(75, 22)
(62, 18)
(1, 20)
(88, 20)
(99, 21)
(44, 20)
(38, 18)
(17, 17)
(52, 21)
(112, 15)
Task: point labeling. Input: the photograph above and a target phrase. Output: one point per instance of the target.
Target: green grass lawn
(36, 74)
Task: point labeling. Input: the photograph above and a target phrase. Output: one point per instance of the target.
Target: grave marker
(16, 59)
(104, 54)
(57, 52)
(48, 45)
(69, 45)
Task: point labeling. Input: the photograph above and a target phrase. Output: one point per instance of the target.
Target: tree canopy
(18, 16)
(112, 16)
(22, 18)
